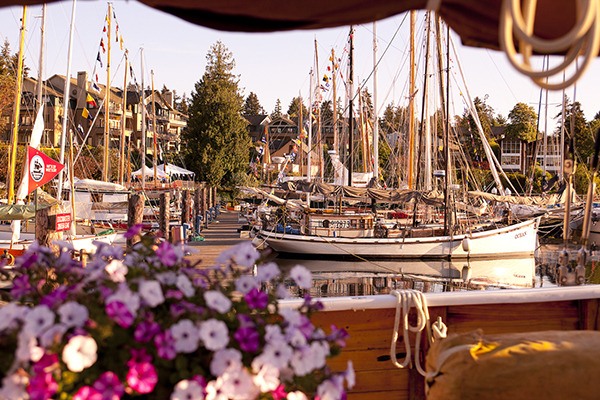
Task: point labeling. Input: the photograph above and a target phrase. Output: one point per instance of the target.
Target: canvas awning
(170, 169)
(149, 173)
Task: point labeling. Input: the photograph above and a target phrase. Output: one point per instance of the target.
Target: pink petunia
(142, 377)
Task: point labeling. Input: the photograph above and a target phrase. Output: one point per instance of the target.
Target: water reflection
(358, 278)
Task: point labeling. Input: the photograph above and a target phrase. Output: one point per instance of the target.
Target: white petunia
(116, 270)
(27, 348)
(238, 385)
(38, 320)
(245, 284)
(9, 315)
(151, 292)
(277, 354)
(127, 297)
(292, 317)
(214, 334)
(245, 254)
(301, 361)
(213, 390)
(282, 291)
(319, 352)
(185, 335)
(332, 389)
(224, 359)
(301, 276)
(14, 387)
(80, 353)
(267, 272)
(185, 285)
(73, 314)
(267, 378)
(273, 333)
(297, 395)
(217, 301)
(187, 390)
(167, 278)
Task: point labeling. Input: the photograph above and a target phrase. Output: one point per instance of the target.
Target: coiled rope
(583, 39)
(406, 299)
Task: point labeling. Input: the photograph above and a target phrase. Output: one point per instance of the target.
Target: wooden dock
(220, 234)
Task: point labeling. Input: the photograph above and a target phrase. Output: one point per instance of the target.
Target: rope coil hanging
(582, 40)
(405, 300)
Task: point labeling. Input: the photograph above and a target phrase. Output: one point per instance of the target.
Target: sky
(272, 65)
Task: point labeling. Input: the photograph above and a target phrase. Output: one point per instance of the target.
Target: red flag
(41, 168)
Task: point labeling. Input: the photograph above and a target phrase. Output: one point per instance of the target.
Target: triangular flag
(99, 59)
(42, 169)
(90, 101)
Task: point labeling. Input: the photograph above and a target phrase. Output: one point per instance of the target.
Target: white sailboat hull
(514, 240)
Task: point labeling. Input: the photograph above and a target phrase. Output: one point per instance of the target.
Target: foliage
(327, 111)
(522, 123)
(252, 105)
(277, 112)
(296, 107)
(576, 127)
(148, 324)
(7, 82)
(218, 143)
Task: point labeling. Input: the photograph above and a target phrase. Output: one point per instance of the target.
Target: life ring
(325, 223)
(8, 258)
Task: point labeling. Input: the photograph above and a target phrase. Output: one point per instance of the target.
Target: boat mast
(375, 109)
(105, 170)
(123, 123)
(154, 145)
(66, 101)
(143, 109)
(16, 112)
(411, 103)
(318, 115)
(41, 58)
(310, 114)
(350, 107)
(336, 144)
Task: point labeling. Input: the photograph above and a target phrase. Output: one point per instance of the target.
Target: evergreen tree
(217, 140)
(252, 105)
(7, 82)
(327, 111)
(294, 109)
(182, 104)
(277, 113)
(576, 127)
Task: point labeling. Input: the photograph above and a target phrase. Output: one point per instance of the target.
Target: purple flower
(42, 387)
(21, 286)
(87, 393)
(28, 259)
(174, 294)
(248, 338)
(133, 231)
(145, 331)
(165, 345)
(45, 364)
(166, 254)
(138, 356)
(256, 299)
(142, 377)
(306, 327)
(110, 386)
(119, 313)
(57, 296)
(338, 336)
(176, 310)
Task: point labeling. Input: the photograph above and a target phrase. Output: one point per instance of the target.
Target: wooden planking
(590, 314)
(373, 381)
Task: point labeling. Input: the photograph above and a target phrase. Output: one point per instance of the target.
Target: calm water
(358, 278)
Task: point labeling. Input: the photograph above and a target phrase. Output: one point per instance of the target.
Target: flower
(144, 322)
(80, 353)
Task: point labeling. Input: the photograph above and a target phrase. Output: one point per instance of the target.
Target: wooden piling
(164, 215)
(186, 205)
(135, 215)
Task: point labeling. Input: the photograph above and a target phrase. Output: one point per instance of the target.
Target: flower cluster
(146, 322)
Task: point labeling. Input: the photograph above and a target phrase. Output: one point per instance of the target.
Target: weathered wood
(135, 215)
(43, 234)
(204, 203)
(186, 205)
(164, 215)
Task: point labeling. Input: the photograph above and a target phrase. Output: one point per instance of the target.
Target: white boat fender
(563, 275)
(580, 274)
(465, 273)
(466, 245)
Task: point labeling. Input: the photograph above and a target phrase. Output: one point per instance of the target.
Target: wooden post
(43, 234)
(204, 202)
(185, 207)
(135, 215)
(197, 208)
(215, 202)
(164, 214)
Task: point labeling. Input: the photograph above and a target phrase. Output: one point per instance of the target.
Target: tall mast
(375, 109)
(411, 104)
(66, 101)
(309, 140)
(41, 58)
(105, 170)
(16, 112)
(350, 106)
(123, 123)
(336, 143)
(154, 150)
(318, 116)
(143, 109)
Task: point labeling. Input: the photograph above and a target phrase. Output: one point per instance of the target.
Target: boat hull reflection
(358, 278)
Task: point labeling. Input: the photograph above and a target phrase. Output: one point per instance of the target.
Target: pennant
(99, 59)
(104, 29)
(102, 45)
(90, 101)
(121, 42)
(95, 87)
(42, 169)
(86, 114)
(80, 129)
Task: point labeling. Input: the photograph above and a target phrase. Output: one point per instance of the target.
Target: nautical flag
(86, 114)
(42, 169)
(102, 45)
(121, 42)
(90, 101)
(80, 129)
(95, 86)
(99, 59)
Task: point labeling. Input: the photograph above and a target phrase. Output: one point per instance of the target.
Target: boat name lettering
(520, 235)
(338, 224)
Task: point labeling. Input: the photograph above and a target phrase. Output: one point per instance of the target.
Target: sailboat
(347, 231)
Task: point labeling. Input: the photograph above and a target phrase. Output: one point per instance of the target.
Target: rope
(405, 300)
(583, 39)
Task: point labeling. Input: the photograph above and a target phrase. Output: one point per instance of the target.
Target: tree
(7, 82)
(295, 106)
(327, 110)
(252, 105)
(522, 123)
(277, 113)
(576, 127)
(217, 140)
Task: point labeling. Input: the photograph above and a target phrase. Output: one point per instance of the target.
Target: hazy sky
(274, 65)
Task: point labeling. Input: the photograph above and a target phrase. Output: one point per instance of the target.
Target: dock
(220, 234)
